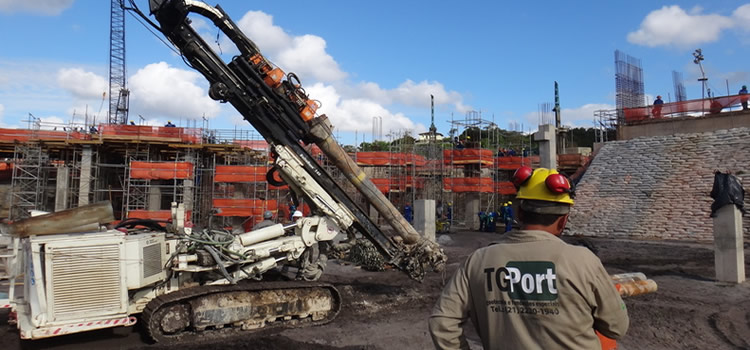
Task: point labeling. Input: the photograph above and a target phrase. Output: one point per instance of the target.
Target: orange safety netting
(682, 108)
(23, 135)
(165, 215)
(468, 156)
(240, 173)
(161, 170)
(513, 163)
(383, 185)
(380, 158)
(389, 158)
(397, 183)
(245, 207)
(478, 184)
(246, 174)
(258, 145)
(155, 133)
(6, 171)
(469, 184)
(416, 160)
(505, 187)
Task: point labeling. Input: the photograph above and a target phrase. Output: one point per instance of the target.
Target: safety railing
(697, 107)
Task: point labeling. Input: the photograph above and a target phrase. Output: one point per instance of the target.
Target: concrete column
(84, 187)
(154, 198)
(187, 187)
(729, 253)
(470, 216)
(547, 146)
(424, 218)
(187, 194)
(62, 187)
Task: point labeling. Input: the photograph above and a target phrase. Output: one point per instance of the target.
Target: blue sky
(366, 59)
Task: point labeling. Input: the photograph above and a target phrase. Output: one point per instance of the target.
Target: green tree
(375, 146)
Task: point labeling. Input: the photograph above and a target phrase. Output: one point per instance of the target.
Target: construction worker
(508, 216)
(292, 209)
(743, 97)
(296, 216)
(408, 213)
(169, 124)
(267, 220)
(658, 104)
(531, 290)
(489, 225)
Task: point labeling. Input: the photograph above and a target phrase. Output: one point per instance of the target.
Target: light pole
(698, 57)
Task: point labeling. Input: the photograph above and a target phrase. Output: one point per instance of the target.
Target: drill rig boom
(279, 109)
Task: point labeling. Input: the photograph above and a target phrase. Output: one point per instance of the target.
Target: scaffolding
(220, 175)
(28, 179)
(605, 124)
(239, 190)
(152, 186)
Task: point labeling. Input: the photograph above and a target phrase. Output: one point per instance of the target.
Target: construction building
(220, 175)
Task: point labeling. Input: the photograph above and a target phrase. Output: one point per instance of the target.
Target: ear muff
(522, 175)
(558, 184)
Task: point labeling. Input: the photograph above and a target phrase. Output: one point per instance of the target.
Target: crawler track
(207, 313)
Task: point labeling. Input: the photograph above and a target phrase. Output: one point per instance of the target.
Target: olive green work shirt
(529, 291)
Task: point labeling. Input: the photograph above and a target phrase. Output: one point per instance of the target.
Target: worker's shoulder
(582, 255)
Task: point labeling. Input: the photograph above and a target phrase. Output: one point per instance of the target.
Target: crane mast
(119, 95)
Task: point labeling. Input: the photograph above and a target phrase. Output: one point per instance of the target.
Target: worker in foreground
(531, 290)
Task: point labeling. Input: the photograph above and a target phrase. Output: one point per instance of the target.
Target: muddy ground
(386, 310)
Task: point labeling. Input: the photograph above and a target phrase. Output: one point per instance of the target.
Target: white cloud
(741, 17)
(355, 114)
(163, 91)
(583, 115)
(40, 7)
(410, 93)
(51, 123)
(259, 27)
(305, 55)
(308, 58)
(673, 26)
(81, 83)
(2, 109)
(350, 105)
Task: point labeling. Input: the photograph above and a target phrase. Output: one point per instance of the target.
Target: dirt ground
(386, 310)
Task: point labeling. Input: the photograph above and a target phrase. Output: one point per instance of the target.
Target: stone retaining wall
(659, 187)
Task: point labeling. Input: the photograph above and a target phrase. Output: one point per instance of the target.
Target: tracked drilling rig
(184, 283)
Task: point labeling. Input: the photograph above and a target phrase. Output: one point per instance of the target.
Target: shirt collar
(530, 236)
